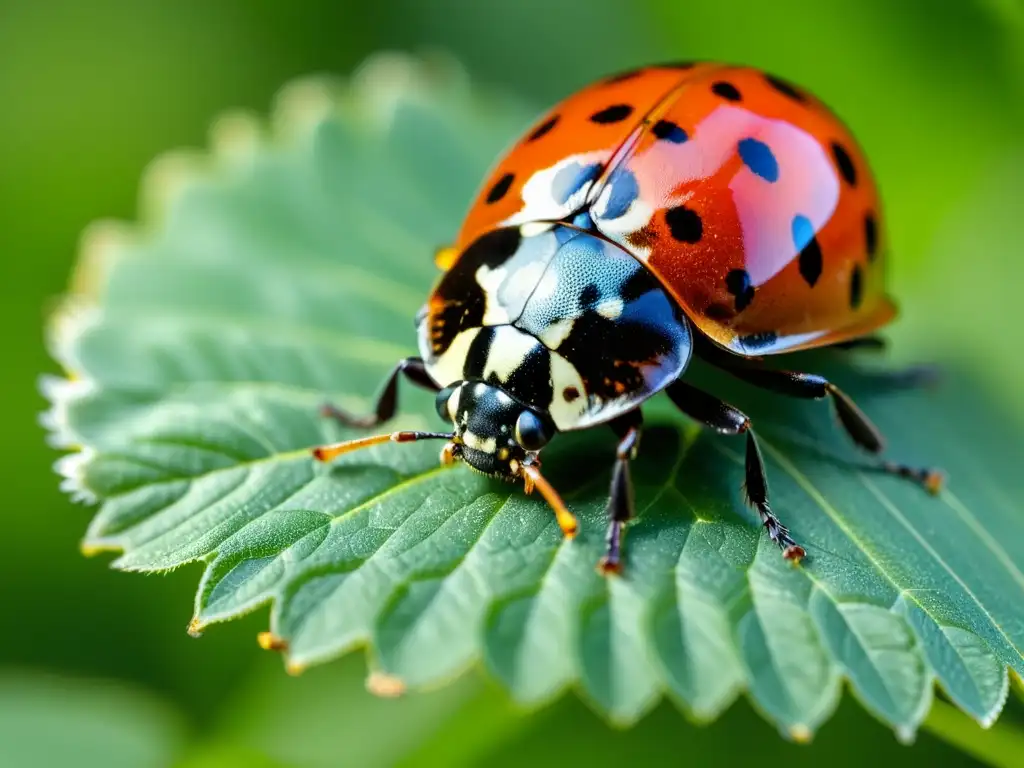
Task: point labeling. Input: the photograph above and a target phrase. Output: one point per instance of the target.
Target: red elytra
(754, 206)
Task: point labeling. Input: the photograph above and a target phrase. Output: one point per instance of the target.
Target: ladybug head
(499, 436)
(493, 433)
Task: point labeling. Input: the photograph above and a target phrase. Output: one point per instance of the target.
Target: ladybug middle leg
(727, 420)
(854, 421)
(620, 498)
(412, 368)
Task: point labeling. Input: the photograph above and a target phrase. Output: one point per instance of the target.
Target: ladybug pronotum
(674, 210)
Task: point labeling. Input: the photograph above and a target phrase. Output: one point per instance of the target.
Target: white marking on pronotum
(566, 414)
(490, 279)
(523, 282)
(449, 366)
(509, 348)
(610, 308)
(555, 333)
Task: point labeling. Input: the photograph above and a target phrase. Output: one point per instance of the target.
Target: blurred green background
(95, 666)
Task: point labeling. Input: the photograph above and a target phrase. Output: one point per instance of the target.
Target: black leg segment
(387, 401)
(727, 420)
(620, 498)
(854, 421)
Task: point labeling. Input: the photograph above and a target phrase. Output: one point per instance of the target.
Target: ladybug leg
(620, 498)
(856, 423)
(387, 401)
(727, 420)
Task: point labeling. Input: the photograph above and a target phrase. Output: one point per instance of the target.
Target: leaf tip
(166, 179)
(100, 245)
(385, 686)
(800, 733)
(270, 642)
(93, 548)
(236, 136)
(303, 104)
(906, 734)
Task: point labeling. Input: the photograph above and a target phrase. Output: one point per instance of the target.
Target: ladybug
(673, 210)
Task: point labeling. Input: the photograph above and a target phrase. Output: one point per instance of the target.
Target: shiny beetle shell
(747, 198)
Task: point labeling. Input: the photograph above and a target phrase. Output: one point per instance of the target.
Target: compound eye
(442, 403)
(531, 432)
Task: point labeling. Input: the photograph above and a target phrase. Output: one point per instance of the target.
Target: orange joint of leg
(566, 519)
(448, 453)
(329, 452)
(607, 567)
(933, 481)
(794, 553)
(445, 257)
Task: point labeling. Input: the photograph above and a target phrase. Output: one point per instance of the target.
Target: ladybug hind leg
(727, 420)
(854, 421)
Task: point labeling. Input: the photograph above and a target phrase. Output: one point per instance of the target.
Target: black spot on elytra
(684, 224)
(613, 114)
(500, 188)
(570, 393)
(785, 88)
(727, 91)
(739, 285)
(871, 236)
(666, 130)
(810, 252)
(856, 287)
(811, 262)
(543, 129)
(589, 295)
(844, 163)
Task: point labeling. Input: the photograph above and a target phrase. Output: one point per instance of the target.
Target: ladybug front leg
(620, 498)
(387, 401)
(856, 423)
(727, 420)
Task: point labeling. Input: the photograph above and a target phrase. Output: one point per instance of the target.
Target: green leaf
(285, 271)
